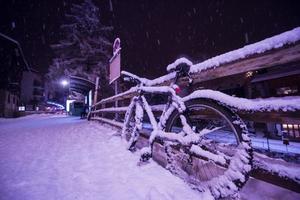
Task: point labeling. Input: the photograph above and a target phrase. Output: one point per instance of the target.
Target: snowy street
(58, 157)
(143, 100)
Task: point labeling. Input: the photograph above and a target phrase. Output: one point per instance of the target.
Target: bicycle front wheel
(133, 123)
(222, 157)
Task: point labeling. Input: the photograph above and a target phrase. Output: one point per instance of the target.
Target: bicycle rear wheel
(222, 156)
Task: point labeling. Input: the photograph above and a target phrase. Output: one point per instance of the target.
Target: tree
(85, 48)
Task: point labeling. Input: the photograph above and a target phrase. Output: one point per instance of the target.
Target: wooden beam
(288, 54)
(125, 95)
(280, 117)
(271, 58)
(108, 121)
(275, 117)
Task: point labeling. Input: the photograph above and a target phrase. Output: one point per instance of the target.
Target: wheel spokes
(216, 157)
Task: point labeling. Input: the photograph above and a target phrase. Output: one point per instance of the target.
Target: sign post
(115, 67)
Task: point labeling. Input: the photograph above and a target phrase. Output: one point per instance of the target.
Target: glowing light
(64, 83)
(21, 108)
(284, 125)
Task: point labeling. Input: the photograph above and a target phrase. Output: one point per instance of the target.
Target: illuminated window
(293, 130)
(21, 108)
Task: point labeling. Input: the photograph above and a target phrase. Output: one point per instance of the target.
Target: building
(12, 65)
(32, 90)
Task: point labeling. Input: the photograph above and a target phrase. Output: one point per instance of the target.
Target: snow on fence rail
(282, 106)
(275, 42)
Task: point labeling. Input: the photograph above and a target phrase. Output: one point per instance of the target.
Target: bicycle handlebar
(132, 78)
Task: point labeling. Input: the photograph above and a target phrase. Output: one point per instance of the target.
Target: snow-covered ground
(57, 157)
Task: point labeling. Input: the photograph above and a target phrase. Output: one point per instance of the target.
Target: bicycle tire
(220, 186)
(130, 131)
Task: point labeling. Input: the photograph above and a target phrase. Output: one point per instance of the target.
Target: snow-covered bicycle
(197, 126)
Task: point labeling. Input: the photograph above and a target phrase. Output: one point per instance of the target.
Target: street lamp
(64, 83)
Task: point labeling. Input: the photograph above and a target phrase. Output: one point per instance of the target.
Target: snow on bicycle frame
(237, 165)
(240, 105)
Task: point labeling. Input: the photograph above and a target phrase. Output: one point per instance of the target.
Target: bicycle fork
(138, 126)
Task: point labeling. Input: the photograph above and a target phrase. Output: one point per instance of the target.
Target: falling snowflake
(13, 25)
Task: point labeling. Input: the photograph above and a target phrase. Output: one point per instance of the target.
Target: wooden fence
(281, 56)
(106, 112)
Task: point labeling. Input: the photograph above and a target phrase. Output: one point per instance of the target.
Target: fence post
(96, 91)
(116, 102)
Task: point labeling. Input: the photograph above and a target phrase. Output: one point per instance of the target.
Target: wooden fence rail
(281, 56)
(105, 110)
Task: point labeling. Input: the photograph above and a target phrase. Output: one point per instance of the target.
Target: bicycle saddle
(181, 65)
(179, 68)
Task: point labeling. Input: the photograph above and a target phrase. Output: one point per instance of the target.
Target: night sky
(153, 33)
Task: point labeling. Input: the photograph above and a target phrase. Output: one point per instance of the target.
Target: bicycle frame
(173, 98)
(191, 139)
(141, 103)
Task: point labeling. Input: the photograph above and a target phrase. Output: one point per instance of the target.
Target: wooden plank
(108, 121)
(280, 117)
(275, 179)
(155, 108)
(275, 117)
(111, 110)
(271, 58)
(125, 95)
(281, 56)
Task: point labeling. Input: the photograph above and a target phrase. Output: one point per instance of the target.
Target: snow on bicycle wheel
(222, 148)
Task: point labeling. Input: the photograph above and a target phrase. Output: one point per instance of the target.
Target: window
(21, 108)
(293, 130)
(8, 98)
